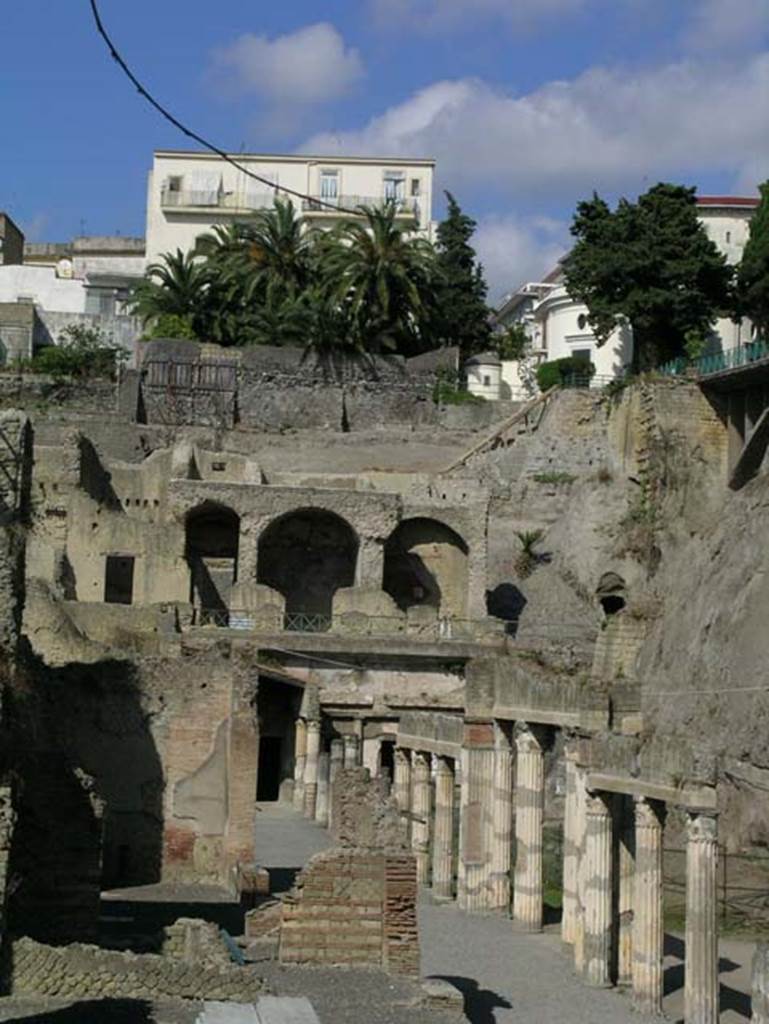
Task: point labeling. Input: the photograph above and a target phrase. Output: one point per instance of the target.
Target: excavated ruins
(226, 583)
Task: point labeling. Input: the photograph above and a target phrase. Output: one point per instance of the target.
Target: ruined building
(237, 578)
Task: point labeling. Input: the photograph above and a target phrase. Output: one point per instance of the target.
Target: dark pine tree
(753, 273)
(461, 316)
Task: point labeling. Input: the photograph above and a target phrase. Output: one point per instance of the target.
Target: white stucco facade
(557, 325)
(190, 192)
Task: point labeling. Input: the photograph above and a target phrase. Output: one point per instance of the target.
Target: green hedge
(561, 371)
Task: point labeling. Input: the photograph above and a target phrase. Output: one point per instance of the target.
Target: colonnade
(612, 910)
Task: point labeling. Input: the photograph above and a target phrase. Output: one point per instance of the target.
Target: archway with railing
(212, 535)
(307, 555)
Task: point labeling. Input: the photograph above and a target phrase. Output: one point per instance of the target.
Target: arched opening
(307, 556)
(611, 593)
(211, 548)
(425, 563)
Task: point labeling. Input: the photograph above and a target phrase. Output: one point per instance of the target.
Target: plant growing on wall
(652, 263)
(527, 558)
(81, 351)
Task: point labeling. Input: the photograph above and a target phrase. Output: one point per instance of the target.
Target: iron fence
(718, 362)
(303, 622)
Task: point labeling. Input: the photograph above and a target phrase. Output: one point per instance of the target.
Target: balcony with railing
(214, 199)
(334, 206)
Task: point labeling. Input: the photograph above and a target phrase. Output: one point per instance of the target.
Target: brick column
(322, 801)
(336, 762)
(598, 892)
(311, 769)
(529, 812)
(701, 968)
(648, 929)
(443, 833)
(351, 748)
(300, 756)
(624, 868)
(570, 847)
(501, 834)
(475, 815)
(420, 810)
(242, 768)
(760, 1001)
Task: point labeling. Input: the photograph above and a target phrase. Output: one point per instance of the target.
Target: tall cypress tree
(753, 273)
(461, 315)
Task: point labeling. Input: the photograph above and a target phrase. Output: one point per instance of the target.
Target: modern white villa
(558, 326)
(189, 192)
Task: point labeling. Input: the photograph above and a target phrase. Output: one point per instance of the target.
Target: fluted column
(598, 892)
(648, 929)
(402, 778)
(580, 846)
(443, 833)
(701, 989)
(570, 847)
(311, 769)
(477, 778)
(300, 755)
(529, 812)
(760, 1000)
(420, 814)
(322, 801)
(501, 831)
(335, 763)
(624, 865)
(351, 747)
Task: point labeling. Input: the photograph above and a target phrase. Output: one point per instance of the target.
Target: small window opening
(416, 186)
(218, 467)
(728, 237)
(119, 579)
(582, 321)
(612, 603)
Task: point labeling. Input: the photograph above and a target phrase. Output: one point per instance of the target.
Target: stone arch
(307, 555)
(426, 563)
(211, 540)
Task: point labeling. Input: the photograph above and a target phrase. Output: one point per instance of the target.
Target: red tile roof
(749, 201)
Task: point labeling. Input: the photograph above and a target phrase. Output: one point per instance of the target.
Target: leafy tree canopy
(461, 313)
(753, 272)
(652, 263)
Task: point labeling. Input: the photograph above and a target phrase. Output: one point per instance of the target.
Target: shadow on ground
(480, 1003)
(96, 1011)
(674, 978)
(129, 924)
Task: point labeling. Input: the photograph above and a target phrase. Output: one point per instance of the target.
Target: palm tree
(384, 277)
(177, 286)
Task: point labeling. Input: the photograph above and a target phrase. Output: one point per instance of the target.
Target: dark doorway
(387, 759)
(212, 535)
(270, 757)
(119, 579)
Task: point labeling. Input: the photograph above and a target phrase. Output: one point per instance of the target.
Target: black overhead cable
(194, 135)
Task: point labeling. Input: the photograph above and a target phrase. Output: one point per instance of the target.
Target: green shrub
(448, 389)
(562, 371)
(82, 352)
(170, 325)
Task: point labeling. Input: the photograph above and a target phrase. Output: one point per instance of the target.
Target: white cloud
(516, 249)
(605, 129)
(309, 66)
(429, 15)
(722, 25)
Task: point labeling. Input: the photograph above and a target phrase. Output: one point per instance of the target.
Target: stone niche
(355, 904)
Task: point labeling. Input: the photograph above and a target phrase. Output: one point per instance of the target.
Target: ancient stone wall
(37, 391)
(81, 971)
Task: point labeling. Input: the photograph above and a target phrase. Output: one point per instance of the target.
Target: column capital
(649, 813)
(702, 826)
(530, 739)
(313, 726)
(596, 805)
(443, 764)
(420, 759)
(402, 754)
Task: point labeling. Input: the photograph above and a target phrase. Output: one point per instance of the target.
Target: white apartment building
(558, 325)
(190, 192)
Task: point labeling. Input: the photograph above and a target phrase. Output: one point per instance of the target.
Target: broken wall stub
(355, 904)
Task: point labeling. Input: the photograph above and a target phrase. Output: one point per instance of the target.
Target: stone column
(598, 892)
(371, 753)
(443, 832)
(760, 999)
(322, 801)
(351, 747)
(420, 814)
(501, 832)
(529, 812)
(300, 756)
(402, 784)
(580, 845)
(336, 761)
(701, 968)
(648, 929)
(624, 867)
(311, 769)
(570, 847)
(477, 777)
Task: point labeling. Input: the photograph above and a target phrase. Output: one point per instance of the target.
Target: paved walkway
(508, 977)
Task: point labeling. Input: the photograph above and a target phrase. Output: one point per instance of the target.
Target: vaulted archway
(426, 563)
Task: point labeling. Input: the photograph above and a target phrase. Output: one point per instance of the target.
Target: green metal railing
(718, 362)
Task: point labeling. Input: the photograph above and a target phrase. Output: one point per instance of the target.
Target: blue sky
(526, 104)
